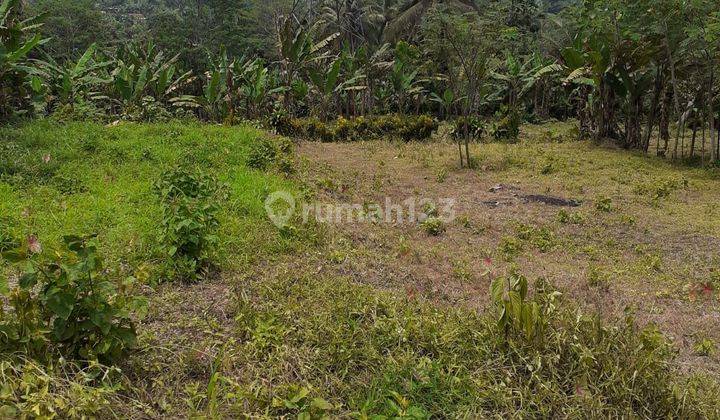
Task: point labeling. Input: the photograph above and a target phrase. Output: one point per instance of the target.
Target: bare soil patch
(609, 262)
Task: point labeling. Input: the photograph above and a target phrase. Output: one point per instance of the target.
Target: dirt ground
(637, 255)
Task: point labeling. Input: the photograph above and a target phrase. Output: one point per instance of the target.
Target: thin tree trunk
(460, 152)
(664, 129)
(653, 109)
(714, 155)
(676, 97)
(704, 120)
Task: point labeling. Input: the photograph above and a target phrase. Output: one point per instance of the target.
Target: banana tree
(404, 75)
(217, 102)
(637, 80)
(513, 78)
(298, 50)
(375, 66)
(257, 84)
(70, 82)
(325, 83)
(144, 72)
(590, 65)
(17, 40)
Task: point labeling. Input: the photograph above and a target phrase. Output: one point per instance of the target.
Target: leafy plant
(143, 77)
(705, 347)
(519, 316)
(433, 226)
(190, 206)
(604, 204)
(464, 127)
(69, 303)
(404, 127)
(508, 127)
(262, 155)
(17, 40)
(72, 83)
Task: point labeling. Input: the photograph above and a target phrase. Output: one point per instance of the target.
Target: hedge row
(404, 127)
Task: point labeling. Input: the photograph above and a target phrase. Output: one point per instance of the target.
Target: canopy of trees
(633, 72)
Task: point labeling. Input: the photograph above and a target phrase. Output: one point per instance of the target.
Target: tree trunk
(638, 123)
(460, 152)
(676, 97)
(665, 123)
(681, 128)
(704, 121)
(714, 155)
(653, 109)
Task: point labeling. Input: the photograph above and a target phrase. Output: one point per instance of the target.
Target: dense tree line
(633, 72)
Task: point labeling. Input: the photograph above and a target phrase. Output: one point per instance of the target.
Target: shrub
(68, 302)
(508, 127)
(475, 127)
(604, 204)
(660, 189)
(281, 122)
(79, 111)
(187, 237)
(262, 154)
(542, 238)
(407, 128)
(266, 154)
(570, 218)
(65, 389)
(433, 226)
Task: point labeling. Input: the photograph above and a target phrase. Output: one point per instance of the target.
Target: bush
(79, 111)
(63, 390)
(262, 154)
(266, 154)
(406, 128)
(187, 238)
(475, 127)
(433, 226)
(508, 127)
(67, 302)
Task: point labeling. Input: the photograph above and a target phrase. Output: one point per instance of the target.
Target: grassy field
(380, 320)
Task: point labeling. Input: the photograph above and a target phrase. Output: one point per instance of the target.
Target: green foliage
(73, 25)
(300, 403)
(520, 317)
(604, 204)
(570, 218)
(76, 82)
(144, 82)
(68, 303)
(705, 347)
(534, 357)
(541, 238)
(188, 238)
(406, 128)
(61, 390)
(8, 238)
(433, 226)
(508, 126)
(262, 155)
(660, 189)
(17, 40)
(267, 153)
(474, 127)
